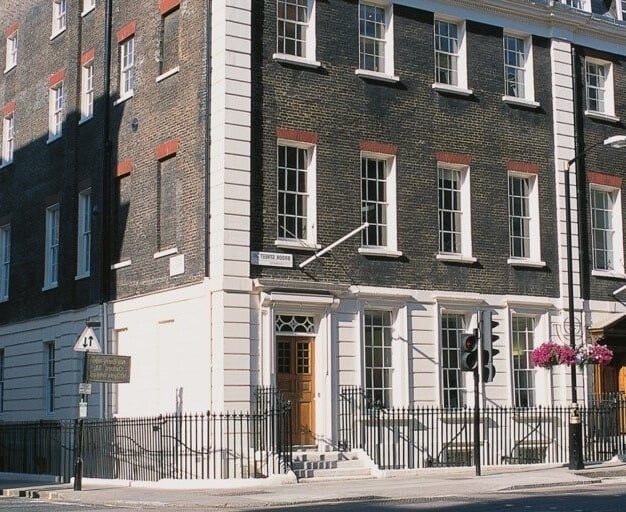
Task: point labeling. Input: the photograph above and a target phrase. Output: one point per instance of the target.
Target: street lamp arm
(614, 141)
(334, 244)
(578, 156)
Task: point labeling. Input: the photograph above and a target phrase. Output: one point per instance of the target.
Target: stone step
(323, 456)
(327, 464)
(337, 473)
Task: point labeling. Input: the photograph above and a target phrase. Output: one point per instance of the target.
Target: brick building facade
(232, 142)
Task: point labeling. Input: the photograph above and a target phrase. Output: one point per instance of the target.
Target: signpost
(86, 341)
(97, 367)
(107, 368)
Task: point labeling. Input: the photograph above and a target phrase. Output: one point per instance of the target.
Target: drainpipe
(579, 148)
(106, 199)
(107, 202)
(207, 176)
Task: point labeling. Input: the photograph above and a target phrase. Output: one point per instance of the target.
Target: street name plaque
(107, 368)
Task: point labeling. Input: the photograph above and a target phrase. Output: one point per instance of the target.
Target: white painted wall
(167, 336)
(25, 370)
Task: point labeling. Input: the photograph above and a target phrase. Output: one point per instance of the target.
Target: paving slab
(434, 483)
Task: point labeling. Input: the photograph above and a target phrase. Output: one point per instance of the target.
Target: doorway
(295, 370)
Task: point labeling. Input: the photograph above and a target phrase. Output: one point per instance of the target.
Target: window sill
(52, 138)
(50, 286)
(601, 116)
(81, 276)
(301, 245)
(285, 58)
(521, 262)
(166, 252)
(5, 164)
(520, 102)
(122, 99)
(382, 252)
(613, 274)
(12, 66)
(167, 74)
(85, 13)
(452, 89)
(83, 120)
(121, 264)
(55, 34)
(375, 75)
(456, 258)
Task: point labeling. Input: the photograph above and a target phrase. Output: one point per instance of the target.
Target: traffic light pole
(477, 421)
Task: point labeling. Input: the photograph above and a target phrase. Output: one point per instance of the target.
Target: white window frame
(127, 68)
(449, 353)
(390, 248)
(533, 259)
(11, 49)
(83, 243)
(308, 34)
(53, 225)
(399, 395)
(464, 252)
(86, 91)
(310, 240)
(386, 73)
(581, 5)
(50, 373)
(2, 378)
(621, 9)
(56, 111)
(5, 261)
(525, 67)
(88, 6)
(461, 87)
(617, 231)
(59, 17)
(608, 94)
(8, 139)
(526, 368)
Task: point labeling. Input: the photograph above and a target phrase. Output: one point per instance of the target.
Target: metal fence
(416, 437)
(37, 447)
(177, 446)
(258, 444)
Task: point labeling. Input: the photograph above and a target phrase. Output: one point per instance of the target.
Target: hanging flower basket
(593, 354)
(550, 354)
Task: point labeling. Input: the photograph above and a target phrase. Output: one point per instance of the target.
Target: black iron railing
(177, 446)
(416, 437)
(37, 447)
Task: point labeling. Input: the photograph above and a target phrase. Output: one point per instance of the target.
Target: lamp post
(575, 425)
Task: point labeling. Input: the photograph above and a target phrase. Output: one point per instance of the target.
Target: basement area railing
(419, 437)
(176, 446)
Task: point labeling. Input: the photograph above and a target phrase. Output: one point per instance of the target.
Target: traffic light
(487, 325)
(469, 351)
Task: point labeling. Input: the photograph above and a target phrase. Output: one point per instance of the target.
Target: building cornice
(536, 17)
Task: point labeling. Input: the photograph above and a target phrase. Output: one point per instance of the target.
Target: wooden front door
(295, 370)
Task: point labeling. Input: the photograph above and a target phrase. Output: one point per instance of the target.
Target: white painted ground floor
(203, 348)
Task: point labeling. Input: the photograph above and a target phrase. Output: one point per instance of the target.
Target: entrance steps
(317, 466)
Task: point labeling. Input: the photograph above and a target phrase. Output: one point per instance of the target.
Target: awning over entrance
(610, 330)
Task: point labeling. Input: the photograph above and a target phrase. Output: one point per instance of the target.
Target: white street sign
(87, 341)
(271, 259)
(84, 388)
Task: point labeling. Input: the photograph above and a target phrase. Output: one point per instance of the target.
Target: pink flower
(549, 354)
(593, 354)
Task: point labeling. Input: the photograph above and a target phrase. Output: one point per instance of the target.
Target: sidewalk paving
(424, 484)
